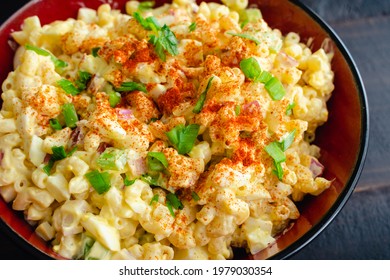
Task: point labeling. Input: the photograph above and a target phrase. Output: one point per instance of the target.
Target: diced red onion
(47, 158)
(251, 108)
(1, 156)
(287, 60)
(316, 167)
(76, 137)
(102, 147)
(96, 84)
(124, 114)
(138, 167)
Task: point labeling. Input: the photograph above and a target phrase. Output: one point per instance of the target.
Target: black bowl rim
(349, 187)
(344, 196)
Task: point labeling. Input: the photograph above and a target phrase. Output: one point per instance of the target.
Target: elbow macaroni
(222, 193)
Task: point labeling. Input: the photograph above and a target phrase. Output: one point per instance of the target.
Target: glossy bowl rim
(342, 198)
(350, 186)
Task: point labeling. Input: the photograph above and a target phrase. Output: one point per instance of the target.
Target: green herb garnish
(95, 51)
(55, 124)
(195, 196)
(59, 153)
(183, 137)
(68, 87)
(164, 41)
(70, 115)
(114, 98)
(202, 97)
(154, 199)
(192, 27)
(147, 5)
(252, 70)
(173, 202)
(163, 38)
(151, 180)
(131, 86)
(82, 81)
(287, 141)
(275, 88)
(100, 181)
(289, 109)
(276, 151)
(157, 161)
(58, 63)
(128, 182)
(112, 159)
(79, 86)
(237, 110)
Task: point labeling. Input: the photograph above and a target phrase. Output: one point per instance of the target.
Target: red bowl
(343, 139)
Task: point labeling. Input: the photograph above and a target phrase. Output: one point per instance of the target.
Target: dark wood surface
(362, 229)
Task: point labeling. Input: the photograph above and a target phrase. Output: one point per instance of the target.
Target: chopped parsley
(183, 137)
(157, 161)
(163, 38)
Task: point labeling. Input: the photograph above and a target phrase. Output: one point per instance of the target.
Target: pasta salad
(174, 132)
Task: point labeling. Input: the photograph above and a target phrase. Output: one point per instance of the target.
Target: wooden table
(362, 229)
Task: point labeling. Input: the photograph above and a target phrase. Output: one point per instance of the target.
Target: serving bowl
(343, 139)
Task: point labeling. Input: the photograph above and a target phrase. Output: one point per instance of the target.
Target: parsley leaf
(164, 41)
(157, 161)
(183, 137)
